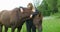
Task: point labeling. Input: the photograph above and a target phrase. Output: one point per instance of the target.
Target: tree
(37, 2)
(44, 8)
(52, 4)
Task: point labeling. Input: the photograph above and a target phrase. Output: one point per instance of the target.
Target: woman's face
(29, 6)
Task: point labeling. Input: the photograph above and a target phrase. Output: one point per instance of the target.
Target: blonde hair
(30, 6)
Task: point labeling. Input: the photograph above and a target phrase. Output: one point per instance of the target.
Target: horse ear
(21, 9)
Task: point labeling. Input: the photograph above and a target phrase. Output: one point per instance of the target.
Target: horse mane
(17, 9)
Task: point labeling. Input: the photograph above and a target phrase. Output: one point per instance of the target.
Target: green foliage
(44, 8)
(58, 5)
(56, 15)
(49, 7)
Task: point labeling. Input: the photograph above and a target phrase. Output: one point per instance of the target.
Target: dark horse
(36, 22)
(14, 18)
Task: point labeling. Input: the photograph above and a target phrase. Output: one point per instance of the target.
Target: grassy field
(50, 24)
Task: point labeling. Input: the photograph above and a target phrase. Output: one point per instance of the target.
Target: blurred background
(50, 10)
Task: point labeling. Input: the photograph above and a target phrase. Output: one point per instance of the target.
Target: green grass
(49, 25)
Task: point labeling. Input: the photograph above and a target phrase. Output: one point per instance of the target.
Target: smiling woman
(10, 4)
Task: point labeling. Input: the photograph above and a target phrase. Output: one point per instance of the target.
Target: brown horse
(14, 18)
(37, 21)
